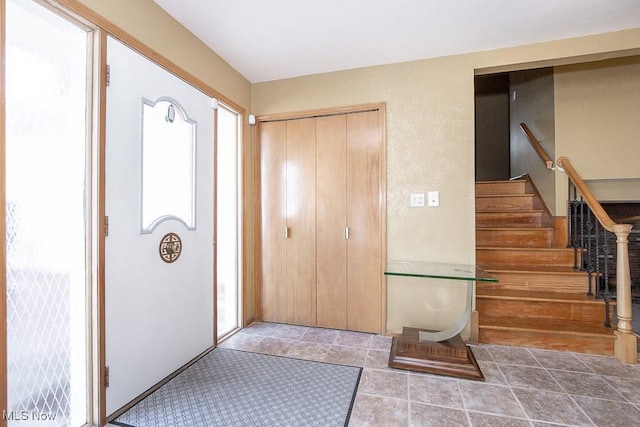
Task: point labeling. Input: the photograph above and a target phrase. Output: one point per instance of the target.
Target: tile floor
(524, 387)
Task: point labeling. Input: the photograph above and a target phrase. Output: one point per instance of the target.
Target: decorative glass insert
(168, 164)
(48, 276)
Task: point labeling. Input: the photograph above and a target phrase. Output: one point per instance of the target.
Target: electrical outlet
(434, 198)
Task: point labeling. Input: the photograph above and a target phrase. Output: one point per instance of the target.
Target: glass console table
(438, 352)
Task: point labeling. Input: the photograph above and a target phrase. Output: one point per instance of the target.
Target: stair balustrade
(591, 249)
(592, 234)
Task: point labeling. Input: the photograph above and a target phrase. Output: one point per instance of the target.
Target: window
(168, 164)
(228, 235)
(48, 275)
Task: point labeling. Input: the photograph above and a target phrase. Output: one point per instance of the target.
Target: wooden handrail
(625, 345)
(546, 159)
(602, 216)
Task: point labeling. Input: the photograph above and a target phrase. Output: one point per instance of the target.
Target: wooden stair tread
(516, 229)
(565, 327)
(510, 212)
(511, 248)
(500, 196)
(524, 295)
(534, 269)
(503, 181)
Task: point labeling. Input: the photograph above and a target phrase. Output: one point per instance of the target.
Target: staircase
(540, 300)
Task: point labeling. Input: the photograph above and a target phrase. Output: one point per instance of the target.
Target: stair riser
(540, 282)
(514, 219)
(584, 312)
(500, 187)
(547, 340)
(488, 204)
(515, 238)
(527, 257)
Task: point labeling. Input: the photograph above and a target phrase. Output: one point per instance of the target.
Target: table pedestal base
(452, 357)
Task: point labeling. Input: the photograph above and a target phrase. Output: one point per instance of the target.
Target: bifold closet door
(321, 221)
(273, 182)
(288, 198)
(331, 190)
(301, 222)
(364, 147)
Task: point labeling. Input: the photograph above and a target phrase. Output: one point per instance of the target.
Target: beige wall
(533, 105)
(430, 146)
(597, 118)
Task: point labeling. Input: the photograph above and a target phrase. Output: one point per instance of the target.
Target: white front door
(159, 180)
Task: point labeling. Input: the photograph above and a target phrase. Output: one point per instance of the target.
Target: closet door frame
(382, 236)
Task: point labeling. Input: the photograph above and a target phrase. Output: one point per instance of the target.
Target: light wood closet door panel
(331, 177)
(273, 182)
(301, 220)
(363, 220)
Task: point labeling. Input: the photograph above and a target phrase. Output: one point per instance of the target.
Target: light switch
(417, 200)
(434, 198)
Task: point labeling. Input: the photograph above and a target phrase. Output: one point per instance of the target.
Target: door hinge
(106, 376)
(108, 75)
(106, 226)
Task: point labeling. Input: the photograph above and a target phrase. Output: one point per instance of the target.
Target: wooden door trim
(257, 233)
(382, 122)
(381, 108)
(3, 231)
(99, 386)
(321, 112)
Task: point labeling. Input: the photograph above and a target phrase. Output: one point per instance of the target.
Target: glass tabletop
(438, 271)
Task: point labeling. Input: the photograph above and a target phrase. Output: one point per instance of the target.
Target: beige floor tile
(560, 360)
(551, 407)
(489, 398)
(351, 356)
(380, 342)
(529, 377)
(487, 420)
(307, 351)
(492, 373)
(379, 411)
(436, 416)
(276, 346)
(433, 390)
(325, 336)
(583, 384)
(512, 355)
(353, 339)
(384, 383)
(377, 359)
(605, 413)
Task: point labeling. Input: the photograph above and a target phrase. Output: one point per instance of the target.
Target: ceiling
(276, 39)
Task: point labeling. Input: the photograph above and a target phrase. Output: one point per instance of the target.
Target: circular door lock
(170, 247)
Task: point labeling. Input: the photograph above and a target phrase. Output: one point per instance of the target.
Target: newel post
(625, 347)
